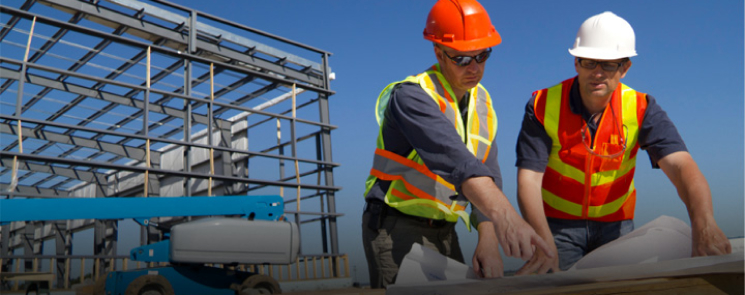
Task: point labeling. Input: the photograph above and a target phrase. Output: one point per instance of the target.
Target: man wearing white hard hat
(577, 150)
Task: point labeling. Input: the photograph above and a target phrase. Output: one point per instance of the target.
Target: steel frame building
(122, 98)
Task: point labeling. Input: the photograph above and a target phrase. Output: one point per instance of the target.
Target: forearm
(691, 185)
(693, 189)
(487, 197)
(517, 237)
(530, 201)
(487, 233)
(696, 195)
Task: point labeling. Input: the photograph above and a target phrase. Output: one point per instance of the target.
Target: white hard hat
(604, 36)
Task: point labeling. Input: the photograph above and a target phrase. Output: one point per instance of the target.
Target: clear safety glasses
(607, 66)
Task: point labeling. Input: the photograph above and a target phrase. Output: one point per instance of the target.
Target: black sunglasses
(464, 60)
(607, 66)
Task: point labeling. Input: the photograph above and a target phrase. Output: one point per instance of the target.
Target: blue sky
(690, 58)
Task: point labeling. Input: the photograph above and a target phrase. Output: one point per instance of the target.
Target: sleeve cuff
(477, 216)
(466, 170)
(657, 154)
(537, 166)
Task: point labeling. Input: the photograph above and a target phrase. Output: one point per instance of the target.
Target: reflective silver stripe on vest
(413, 177)
(449, 110)
(482, 109)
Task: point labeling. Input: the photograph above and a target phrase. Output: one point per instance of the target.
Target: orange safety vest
(578, 184)
(414, 189)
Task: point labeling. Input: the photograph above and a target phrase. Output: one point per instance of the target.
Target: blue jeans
(575, 238)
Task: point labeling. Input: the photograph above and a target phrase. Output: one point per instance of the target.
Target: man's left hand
(487, 262)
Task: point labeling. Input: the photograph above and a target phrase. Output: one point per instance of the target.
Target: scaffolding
(122, 98)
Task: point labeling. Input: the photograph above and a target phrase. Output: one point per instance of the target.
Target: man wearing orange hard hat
(577, 151)
(436, 152)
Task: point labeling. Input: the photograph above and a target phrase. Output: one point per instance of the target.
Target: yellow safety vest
(414, 189)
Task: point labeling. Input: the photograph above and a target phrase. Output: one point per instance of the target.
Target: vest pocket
(609, 164)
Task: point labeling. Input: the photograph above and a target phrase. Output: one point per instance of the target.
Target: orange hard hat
(462, 25)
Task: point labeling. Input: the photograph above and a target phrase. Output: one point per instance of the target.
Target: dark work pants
(386, 247)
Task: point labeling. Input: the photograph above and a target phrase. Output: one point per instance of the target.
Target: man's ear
(438, 54)
(626, 67)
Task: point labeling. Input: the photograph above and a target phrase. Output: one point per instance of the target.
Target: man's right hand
(540, 263)
(517, 237)
(531, 205)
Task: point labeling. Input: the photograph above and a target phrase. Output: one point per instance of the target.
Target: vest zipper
(588, 169)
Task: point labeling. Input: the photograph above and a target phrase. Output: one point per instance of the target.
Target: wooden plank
(67, 273)
(725, 283)
(26, 276)
(343, 291)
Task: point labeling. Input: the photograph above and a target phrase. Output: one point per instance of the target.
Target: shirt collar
(463, 103)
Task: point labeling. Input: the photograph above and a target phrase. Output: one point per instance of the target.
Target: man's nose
(598, 71)
(473, 66)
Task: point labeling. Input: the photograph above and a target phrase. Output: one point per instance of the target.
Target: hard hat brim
(469, 45)
(600, 54)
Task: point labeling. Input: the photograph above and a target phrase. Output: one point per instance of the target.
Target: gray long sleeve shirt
(413, 122)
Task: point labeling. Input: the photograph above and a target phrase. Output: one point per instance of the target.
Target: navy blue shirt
(412, 121)
(657, 135)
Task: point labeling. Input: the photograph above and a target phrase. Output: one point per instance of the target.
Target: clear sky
(690, 59)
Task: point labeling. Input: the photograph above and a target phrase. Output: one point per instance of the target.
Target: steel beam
(152, 32)
(158, 171)
(133, 153)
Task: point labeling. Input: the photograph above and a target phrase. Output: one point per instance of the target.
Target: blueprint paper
(731, 263)
(422, 265)
(665, 238)
(424, 268)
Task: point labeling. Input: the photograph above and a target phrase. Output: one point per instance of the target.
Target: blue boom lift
(259, 235)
